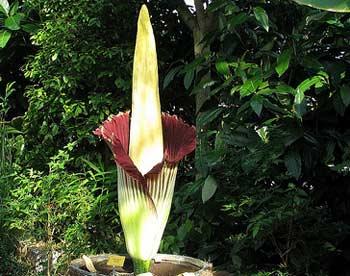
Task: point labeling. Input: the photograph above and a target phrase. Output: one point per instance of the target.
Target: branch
(200, 12)
(187, 16)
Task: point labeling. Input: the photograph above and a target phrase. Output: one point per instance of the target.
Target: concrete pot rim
(175, 259)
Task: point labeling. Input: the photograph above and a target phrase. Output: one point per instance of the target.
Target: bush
(71, 213)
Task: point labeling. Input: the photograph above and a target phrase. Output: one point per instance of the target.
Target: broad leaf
(345, 94)
(13, 22)
(261, 16)
(257, 104)
(188, 79)
(4, 6)
(299, 96)
(329, 5)
(14, 8)
(316, 81)
(338, 104)
(222, 67)
(170, 76)
(30, 28)
(283, 62)
(206, 117)
(209, 188)
(4, 38)
(292, 161)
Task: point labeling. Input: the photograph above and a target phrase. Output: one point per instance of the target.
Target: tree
(329, 5)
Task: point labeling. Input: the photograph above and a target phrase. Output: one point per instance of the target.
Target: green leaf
(222, 67)
(317, 81)
(312, 63)
(283, 62)
(299, 96)
(263, 134)
(285, 89)
(237, 19)
(256, 229)
(30, 28)
(250, 86)
(257, 104)
(188, 79)
(170, 76)
(184, 230)
(345, 94)
(4, 38)
(14, 8)
(209, 188)
(300, 109)
(338, 104)
(208, 116)
(13, 22)
(329, 5)
(292, 161)
(236, 261)
(216, 5)
(4, 6)
(261, 16)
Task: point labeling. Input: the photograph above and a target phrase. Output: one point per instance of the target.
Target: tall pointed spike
(146, 136)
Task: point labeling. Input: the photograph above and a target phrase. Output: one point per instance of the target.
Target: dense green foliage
(271, 193)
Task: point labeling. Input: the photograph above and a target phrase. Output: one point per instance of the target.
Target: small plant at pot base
(147, 146)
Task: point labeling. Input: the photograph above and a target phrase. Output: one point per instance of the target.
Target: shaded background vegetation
(268, 189)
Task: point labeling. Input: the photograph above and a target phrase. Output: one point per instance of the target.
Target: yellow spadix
(146, 136)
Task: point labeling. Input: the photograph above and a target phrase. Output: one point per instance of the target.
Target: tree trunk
(200, 23)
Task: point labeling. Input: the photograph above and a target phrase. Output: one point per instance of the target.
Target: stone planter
(162, 265)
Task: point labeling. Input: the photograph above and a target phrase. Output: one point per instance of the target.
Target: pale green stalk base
(141, 266)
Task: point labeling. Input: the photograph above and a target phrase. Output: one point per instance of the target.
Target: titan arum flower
(147, 147)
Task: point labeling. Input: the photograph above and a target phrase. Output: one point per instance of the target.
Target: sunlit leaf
(14, 8)
(4, 6)
(222, 67)
(329, 5)
(262, 17)
(283, 62)
(13, 22)
(299, 97)
(4, 38)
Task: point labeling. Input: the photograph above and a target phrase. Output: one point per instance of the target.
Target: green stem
(141, 266)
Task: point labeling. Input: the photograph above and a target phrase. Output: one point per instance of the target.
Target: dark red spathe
(179, 140)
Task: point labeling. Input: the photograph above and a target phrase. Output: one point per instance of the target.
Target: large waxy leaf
(329, 5)
(146, 137)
